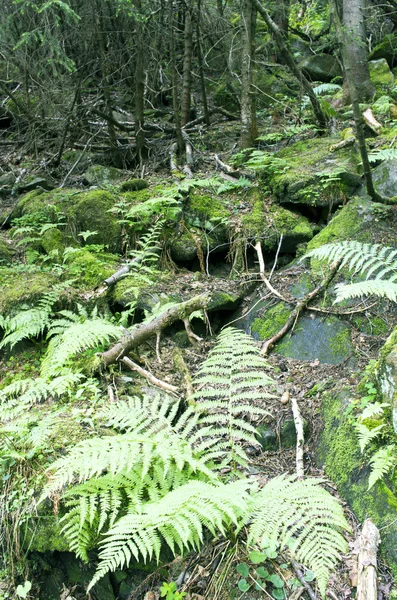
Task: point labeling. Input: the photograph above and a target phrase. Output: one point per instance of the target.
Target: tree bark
(187, 66)
(140, 86)
(247, 134)
(355, 46)
(367, 588)
(174, 80)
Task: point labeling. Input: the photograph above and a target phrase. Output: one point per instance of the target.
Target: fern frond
(365, 435)
(385, 154)
(382, 461)
(179, 518)
(375, 409)
(233, 373)
(303, 516)
(374, 287)
(326, 88)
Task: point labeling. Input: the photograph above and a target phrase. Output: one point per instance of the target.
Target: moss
(272, 321)
(44, 535)
(53, 241)
(381, 76)
(223, 301)
(134, 185)
(22, 288)
(98, 174)
(6, 252)
(370, 325)
(309, 167)
(90, 269)
(340, 343)
(339, 452)
(91, 213)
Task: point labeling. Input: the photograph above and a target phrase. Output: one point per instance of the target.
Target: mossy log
(143, 331)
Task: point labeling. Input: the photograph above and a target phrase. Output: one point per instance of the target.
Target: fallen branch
(300, 439)
(367, 588)
(301, 306)
(143, 331)
(265, 280)
(154, 380)
(300, 576)
(371, 122)
(348, 142)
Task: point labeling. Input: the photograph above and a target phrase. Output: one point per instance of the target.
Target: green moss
(6, 252)
(205, 211)
(53, 241)
(272, 321)
(90, 269)
(370, 325)
(91, 213)
(134, 185)
(339, 452)
(22, 288)
(309, 167)
(100, 175)
(381, 76)
(44, 535)
(223, 301)
(340, 343)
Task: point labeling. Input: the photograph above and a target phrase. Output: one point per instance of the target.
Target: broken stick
(367, 588)
(300, 439)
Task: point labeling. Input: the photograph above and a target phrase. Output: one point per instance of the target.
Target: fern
(385, 154)
(375, 409)
(230, 379)
(382, 461)
(371, 260)
(326, 88)
(303, 517)
(365, 435)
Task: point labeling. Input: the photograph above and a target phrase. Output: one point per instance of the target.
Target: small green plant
(169, 591)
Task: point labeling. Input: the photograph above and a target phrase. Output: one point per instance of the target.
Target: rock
(338, 451)
(90, 269)
(386, 374)
(7, 179)
(81, 574)
(267, 223)
(6, 250)
(385, 177)
(313, 175)
(361, 220)
(100, 175)
(33, 183)
(387, 50)
(51, 587)
(267, 438)
(22, 288)
(381, 76)
(321, 67)
(44, 534)
(133, 185)
(325, 339)
(271, 442)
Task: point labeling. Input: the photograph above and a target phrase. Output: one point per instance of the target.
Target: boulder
(386, 49)
(313, 175)
(321, 67)
(385, 177)
(386, 374)
(381, 76)
(100, 175)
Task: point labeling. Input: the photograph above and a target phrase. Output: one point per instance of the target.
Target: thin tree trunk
(354, 43)
(248, 13)
(187, 66)
(201, 65)
(139, 86)
(291, 63)
(174, 80)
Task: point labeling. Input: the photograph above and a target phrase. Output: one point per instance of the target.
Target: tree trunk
(187, 66)
(174, 80)
(354, 44)
(201, 65)
(291, 64)
(281, 16)
(139, 86)
(247, 135)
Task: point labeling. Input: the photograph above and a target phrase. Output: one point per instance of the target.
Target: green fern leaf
(382, 461)
(365, 435)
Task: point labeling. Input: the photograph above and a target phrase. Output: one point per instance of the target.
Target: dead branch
(348, 142)
(300, 439)
(300, 307)
(367, 588)
(371, 122)
(154, 380)
(182, 367)
(300, 576)
(143, 331)
(269, 286)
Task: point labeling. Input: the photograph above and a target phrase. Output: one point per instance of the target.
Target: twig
(190, 334)
(367, 588)
(300, 439)
(305, 584)
(269, 286)
(157, 382)
(276, 257)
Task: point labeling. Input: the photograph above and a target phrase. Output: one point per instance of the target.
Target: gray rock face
(321, 67)
(385, 177)
(387, 374)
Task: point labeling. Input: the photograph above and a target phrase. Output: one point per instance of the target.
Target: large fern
(302, 516)
(377, 263)
(233, 386)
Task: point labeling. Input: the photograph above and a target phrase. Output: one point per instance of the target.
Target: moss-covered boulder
(82, 211)
(386, 49)
(339, 453)
(361, 220)
(100, 175)
(314, 175)
(381, 76)
(267, 222)
(324, 339)
(33, 182)
(89, 269)
(321, 67)
(134, 185)
(6, 250)
(22, 288)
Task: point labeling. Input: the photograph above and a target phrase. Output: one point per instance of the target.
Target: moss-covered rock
(134, 185)
(385, 177)
(321, 67)
(267, 222)
(338, 451)
(361, 220)
(381, 76)
(386, 49)
(386, 374)
(325, 339)
(315, 176)
(44, 535)
(22, 288)
(88, 268)
(6, 250)
(53, 242)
